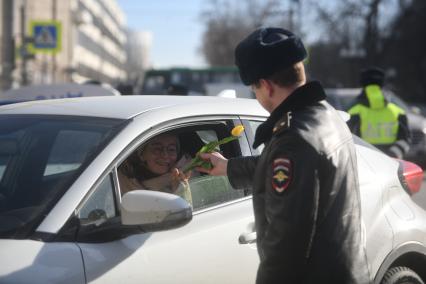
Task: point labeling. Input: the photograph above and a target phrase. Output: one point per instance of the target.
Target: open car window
(200, 190)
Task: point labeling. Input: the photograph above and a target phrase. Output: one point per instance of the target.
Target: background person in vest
(376, 120)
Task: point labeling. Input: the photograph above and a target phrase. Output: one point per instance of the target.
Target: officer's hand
(219, 163)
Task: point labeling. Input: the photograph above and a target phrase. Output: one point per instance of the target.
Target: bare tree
(359, 26)
(352, 34)
(406, 54)
(227, 22)
(357, 33)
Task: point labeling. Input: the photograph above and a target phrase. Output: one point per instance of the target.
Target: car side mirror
(154, 210)
(142, 211)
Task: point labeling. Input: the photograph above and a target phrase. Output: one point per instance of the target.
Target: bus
(208, 81)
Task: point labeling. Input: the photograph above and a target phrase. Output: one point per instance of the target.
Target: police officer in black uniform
(305, 187)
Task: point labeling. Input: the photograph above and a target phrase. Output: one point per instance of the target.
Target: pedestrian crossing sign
(46, 36)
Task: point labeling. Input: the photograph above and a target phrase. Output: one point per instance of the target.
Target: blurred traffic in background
(65, 43)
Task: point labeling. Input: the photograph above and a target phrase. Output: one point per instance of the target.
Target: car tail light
(411, 176)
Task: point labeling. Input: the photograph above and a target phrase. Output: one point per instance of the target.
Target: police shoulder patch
(282, 173)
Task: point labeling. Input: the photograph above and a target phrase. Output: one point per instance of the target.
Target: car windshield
(40, 157)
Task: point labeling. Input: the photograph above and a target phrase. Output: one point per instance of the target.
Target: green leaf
(208, 148)
(204, 148)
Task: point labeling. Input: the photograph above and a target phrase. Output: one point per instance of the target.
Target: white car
(56, 91)
(64, 220)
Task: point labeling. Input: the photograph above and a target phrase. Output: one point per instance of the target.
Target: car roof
(57, 91)
(351, 92)
(126, 107)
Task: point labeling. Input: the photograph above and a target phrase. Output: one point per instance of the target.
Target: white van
(56, 91)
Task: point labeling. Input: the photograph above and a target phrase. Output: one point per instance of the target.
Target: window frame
(112, 183)
(193, 122)
(250, 133)
(144, 136)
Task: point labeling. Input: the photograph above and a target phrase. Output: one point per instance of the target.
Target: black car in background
(343, 99)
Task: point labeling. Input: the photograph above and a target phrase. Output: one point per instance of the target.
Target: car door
(32, 261)
(217, 246)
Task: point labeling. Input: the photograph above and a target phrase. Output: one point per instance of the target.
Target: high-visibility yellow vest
(379, 122)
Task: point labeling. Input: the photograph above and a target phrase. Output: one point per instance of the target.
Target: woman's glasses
(157, 150)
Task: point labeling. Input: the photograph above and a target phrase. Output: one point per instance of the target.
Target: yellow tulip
(210, 147)
(237, 130)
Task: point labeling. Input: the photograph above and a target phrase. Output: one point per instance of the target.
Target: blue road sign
(46, 36)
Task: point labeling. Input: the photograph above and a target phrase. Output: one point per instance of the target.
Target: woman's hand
(177, 177)
(186, 159)
(170, 180)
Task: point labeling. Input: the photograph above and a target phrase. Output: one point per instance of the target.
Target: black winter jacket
(305, 194)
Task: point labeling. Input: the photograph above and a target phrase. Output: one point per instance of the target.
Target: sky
(175, 26)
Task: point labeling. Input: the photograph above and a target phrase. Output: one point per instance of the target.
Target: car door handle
(247, 238)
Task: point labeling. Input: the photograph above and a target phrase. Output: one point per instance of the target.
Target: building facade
(92, 41)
